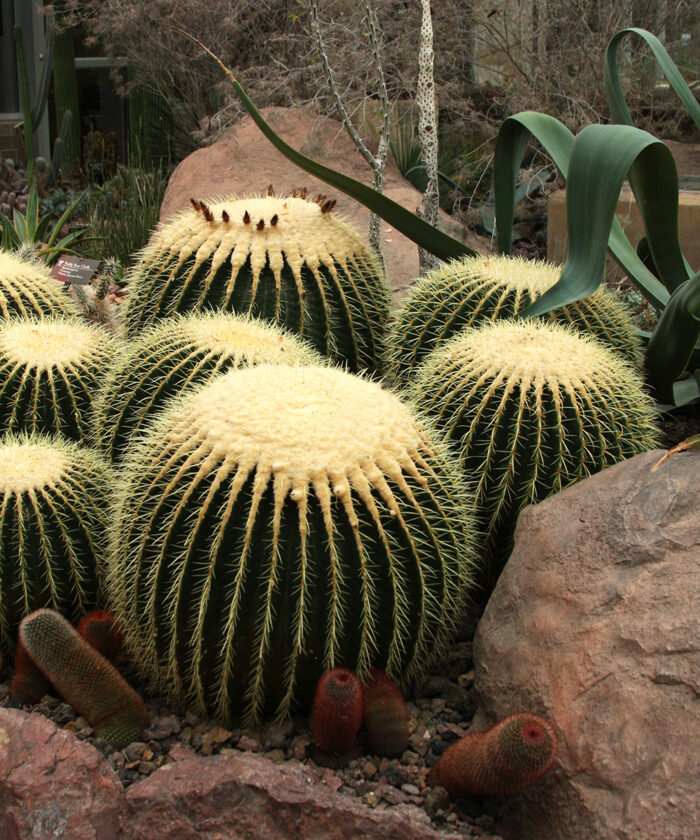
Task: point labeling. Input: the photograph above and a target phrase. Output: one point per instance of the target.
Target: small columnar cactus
(384, 715)
(502, 761)
(84, 678)
(176, 354)
(53, 509)
(474, 290)
(531, 407)
(27, 289)
(29, 683)
(284, 259)
(50, 370)
(99, 628)
(277, 523)
(337, 711)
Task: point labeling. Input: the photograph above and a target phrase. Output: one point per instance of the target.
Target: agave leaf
(600, 160)
(613, 87)
(32, 216)
(10, 240)
(20, 224)
(67, 213)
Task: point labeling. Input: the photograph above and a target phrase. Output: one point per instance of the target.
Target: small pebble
(275, 755)
(369, 770)
(485, 821)
(411, 790)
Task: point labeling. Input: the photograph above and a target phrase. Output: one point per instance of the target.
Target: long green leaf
(32, 216)
(20, 224)
(67, 213)
(416, 229)
(10, 240)
(613, 87)
(600, 160)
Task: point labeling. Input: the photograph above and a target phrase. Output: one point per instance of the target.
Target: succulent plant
(502, 761)
(99, 628)
(49, 372)
(472, 290)
(53, 508)
(337, 711)
(279, 522)
(284, 259)
(531, 407)
(84, 678)
(29, 683)
(384, 715)
(27, 289)
(177, 353)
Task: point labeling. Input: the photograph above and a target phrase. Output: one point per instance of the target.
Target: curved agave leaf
(558, 142)
(613, 87)
(601, 158)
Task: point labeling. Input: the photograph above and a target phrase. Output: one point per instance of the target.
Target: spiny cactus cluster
(279, 522)
(384, 715)
(531, 407)
(53, 523)
(83, 677)
(475, 290)
(27, 289)
(179, 353)
(337, 711)
(284, 259)
(502, 761)
(49, 372)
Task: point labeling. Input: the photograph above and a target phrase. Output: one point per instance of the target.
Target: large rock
(595, 624)
(251, 798)
(54, 786)
(245, 162)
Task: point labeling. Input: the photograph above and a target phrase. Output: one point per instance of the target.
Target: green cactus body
(474, 290)
(49, 373)
(27, 289)
(280, 522)
(531, 407)
(284, 260)
(176, 354)
(53, 502)
(84, 678)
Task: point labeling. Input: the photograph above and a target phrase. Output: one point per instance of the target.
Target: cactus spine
(27, 289)
(176, 354)
(286, 260)
(337, 711)
(49, 373)
(473, 290)
(277, 523)
(84, 678)
(502, 761)
(53, 502)
(385, 716)
(531, 407)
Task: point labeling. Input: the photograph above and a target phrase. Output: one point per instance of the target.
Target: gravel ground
(440, 710)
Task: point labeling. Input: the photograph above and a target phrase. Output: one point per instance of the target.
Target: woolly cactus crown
(53, 502)
(532, 407)
(285, 259)
(49, 373)
(176, 354)
(27, 288)
(472, 290)
(277, 523)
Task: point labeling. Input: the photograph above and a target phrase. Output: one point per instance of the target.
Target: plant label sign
(71, 269)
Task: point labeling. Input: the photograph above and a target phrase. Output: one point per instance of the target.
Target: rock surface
(245, 162)
(54, 786)
(594, 623)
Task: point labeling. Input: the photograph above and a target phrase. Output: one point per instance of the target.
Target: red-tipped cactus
(501, 761)
(384, 715)
(83, 677)
(337, 711)
(29, 684)
(100, 629)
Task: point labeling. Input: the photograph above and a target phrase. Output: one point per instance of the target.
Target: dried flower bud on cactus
(84, 678)
(99, 628)
(501, 761)
(385, 716)
(337, 710)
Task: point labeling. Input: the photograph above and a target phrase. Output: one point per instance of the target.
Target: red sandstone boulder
(54, 786)
(245, 162)
(249, 797)
(594, 623)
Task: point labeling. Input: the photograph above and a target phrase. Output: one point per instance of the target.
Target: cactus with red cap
(99, 628)
(83, 677)
(29, 684)
(384, 715)
(337, 711)
(502, 761)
